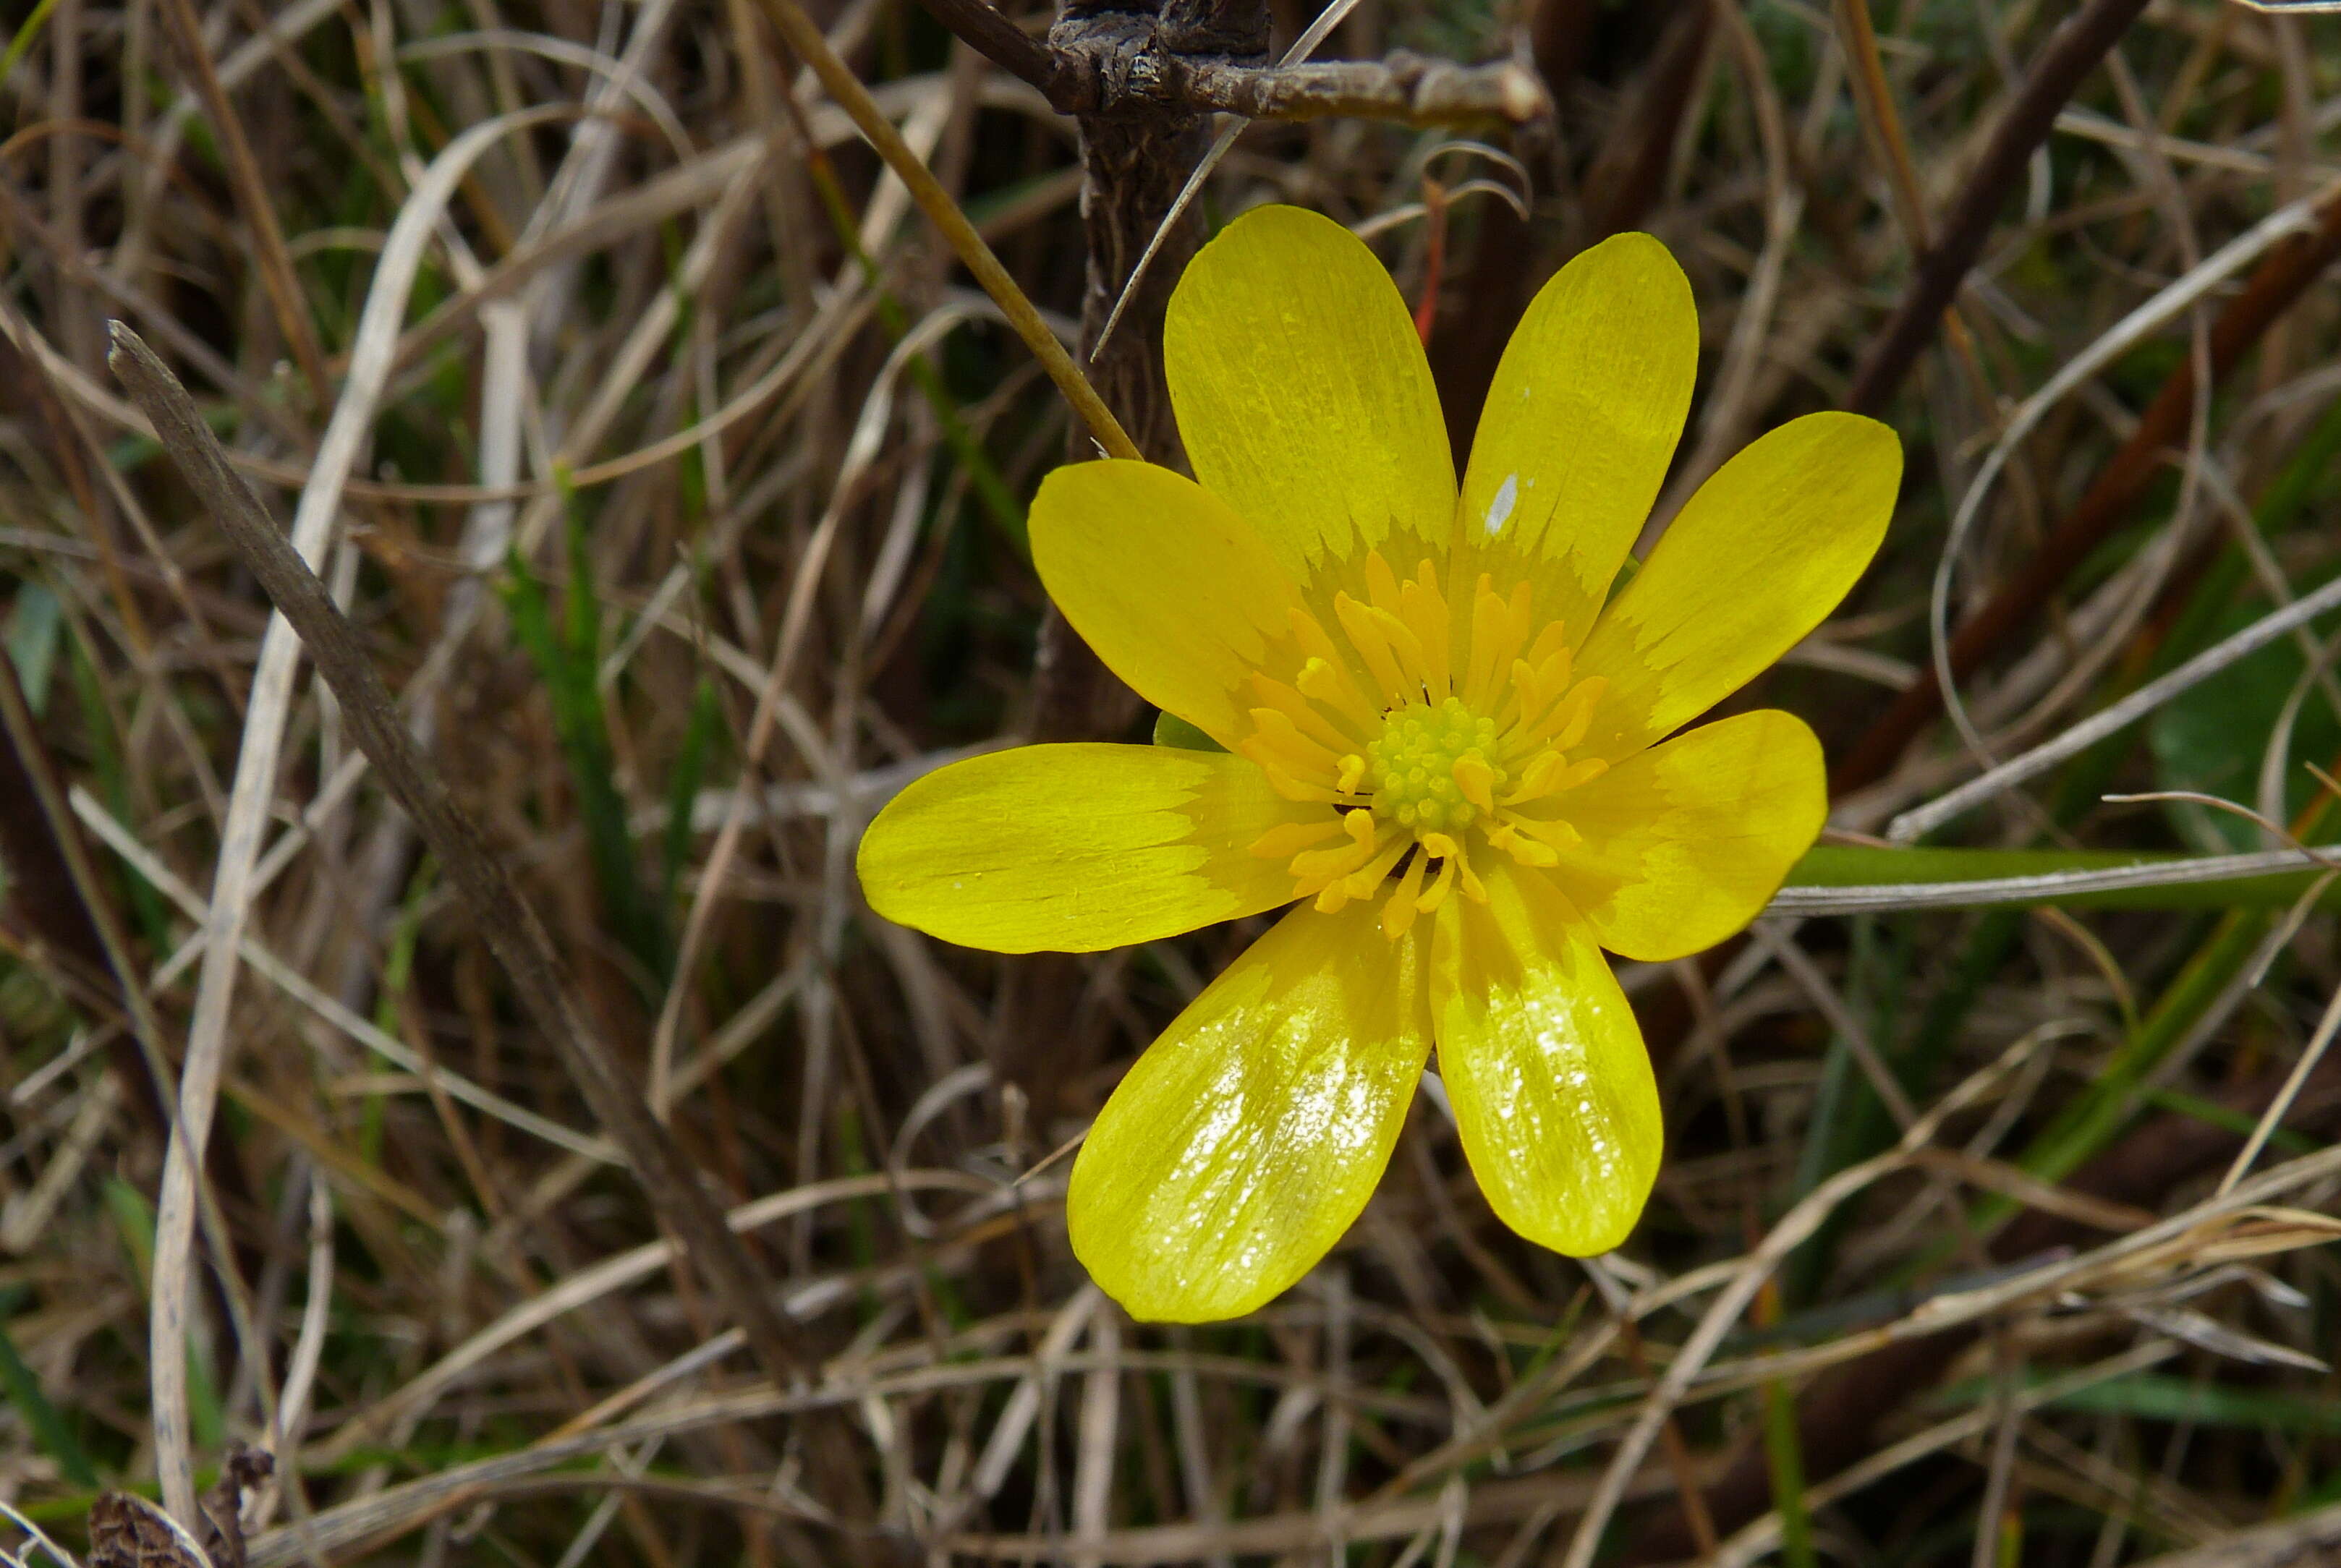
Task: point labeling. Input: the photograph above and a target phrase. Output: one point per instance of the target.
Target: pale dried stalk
(503, 918)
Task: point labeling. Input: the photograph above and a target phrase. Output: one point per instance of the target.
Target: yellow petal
(1179, 595)
(1765, 549)
(1249, 1136)
(1544, 1064)
(1302, 393)
(1075, 848)
(1579, 427)
(1685, 842)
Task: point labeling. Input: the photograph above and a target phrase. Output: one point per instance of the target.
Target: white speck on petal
(1500, 511)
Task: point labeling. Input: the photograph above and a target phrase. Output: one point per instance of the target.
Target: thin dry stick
(233, 887)
(2197, 282)
(498, 911)
(269, 250)
(811, 46)
(861, 450)
(2276, 285)
(1875, 97)
(1916, 823)
(2274, 1116)
(1808, 977)
(2070, 54)
(1750, 1275)
(2289, 1543)
(2184, 870)
(1761, 1537)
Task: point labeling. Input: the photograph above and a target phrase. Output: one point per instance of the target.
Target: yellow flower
(1443, 737)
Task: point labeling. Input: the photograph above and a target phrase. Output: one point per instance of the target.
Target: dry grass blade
(511, 929)
(614, 1186)
(789, 19)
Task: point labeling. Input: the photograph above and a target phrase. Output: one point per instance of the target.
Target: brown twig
(1128, 68)
(2070, 54)
(1404, 87)
(510, 927)
(2279, 281)
(980, 25)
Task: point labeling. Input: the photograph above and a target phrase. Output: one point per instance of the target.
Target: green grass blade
(1856, 865)
(682, 784)
(133, 1218)
(1786, 1457)
(23, 1390)
(566, 657)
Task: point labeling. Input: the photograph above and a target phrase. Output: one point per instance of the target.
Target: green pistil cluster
(1412, 765)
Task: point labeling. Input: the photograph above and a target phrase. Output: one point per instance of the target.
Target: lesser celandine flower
(1445, 745)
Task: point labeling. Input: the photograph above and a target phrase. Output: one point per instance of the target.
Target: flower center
(1427, 741)
(1431, 767)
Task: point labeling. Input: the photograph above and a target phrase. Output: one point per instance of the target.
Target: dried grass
(687, 533)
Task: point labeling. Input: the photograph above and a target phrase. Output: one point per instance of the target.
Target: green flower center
(1413, 765)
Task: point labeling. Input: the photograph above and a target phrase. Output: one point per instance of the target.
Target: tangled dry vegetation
(671, 472)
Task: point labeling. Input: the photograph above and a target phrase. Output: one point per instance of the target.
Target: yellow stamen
(1582, 699)
(1551, 773)
(1367, 637)
(1476, 780)
(1577, 773)
(1537, 778)
(1498, 629)
(1566, 724)
(1437, 895)
(1447, 849)
(1286, 784)
(1329, 683)
(1288, 839)
(1552, 833)
(1362, 882)
(1332, 865)
(1420, 744)
(1399, 912)
(1303, 714)
(1507, 837)
(1423, 608)
(1275, 735)
(1414, 660)
(1552, 640)
(1317, 867)
(1473, 889)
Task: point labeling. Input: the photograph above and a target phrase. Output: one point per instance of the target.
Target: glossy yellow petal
(1302, 393)
(1579, 427)
(1544, 1064)
(1074, 848)
(1765, 549)
(1180, 596)
(1685, 842)
(1249, 1136)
